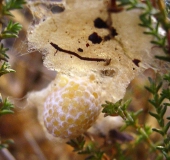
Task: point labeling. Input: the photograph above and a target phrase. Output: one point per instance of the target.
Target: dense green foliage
(11, 30)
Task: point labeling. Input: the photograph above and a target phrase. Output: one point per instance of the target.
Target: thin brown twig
(80, 57)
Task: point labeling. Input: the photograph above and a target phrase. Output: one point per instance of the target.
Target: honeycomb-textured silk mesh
(72, 107)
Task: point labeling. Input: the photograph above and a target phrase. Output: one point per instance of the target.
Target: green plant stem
(162, 9)
(142, 131)
(145, 135)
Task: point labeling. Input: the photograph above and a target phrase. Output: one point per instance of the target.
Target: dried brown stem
(80, 57)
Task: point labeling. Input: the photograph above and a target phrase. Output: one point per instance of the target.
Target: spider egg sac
(72, 107)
